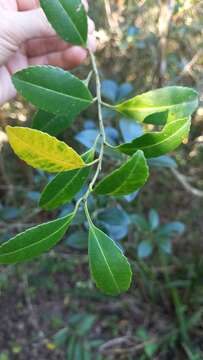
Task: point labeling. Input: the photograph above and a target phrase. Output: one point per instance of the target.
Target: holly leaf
(173, 102)
(155, 144)
(63, 188)
(35, 241)
(53, 90)
(43, 151)
(128, 178)
(68, 18)
(109, 268)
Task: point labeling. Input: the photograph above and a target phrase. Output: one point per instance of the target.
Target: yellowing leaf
(43, 151)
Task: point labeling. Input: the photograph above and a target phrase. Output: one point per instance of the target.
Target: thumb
(32, 24)
(18, 27)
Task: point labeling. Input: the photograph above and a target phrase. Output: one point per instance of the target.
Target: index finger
(24, 5)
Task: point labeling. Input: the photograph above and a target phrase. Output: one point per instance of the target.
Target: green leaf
(140, 222)
(86, 324)
(128, 178)
(171, 102)
(35, 241)
(109, 268)
(169, 229)
(61, 337)
(43, 151)
(53, 90)
(159, 143)
(50, 123)
(71, 347)
(63, 188)
(68, 18)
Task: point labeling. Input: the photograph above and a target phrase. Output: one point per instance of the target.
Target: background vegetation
(49, 308)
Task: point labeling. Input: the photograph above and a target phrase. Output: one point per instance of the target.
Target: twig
(102, 134)
(124, 345)
(108, 12)
(184, 181)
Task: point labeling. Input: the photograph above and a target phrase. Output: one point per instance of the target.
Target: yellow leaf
(50, 346)
(43, 151)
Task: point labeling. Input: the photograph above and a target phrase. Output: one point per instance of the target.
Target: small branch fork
(185, 183)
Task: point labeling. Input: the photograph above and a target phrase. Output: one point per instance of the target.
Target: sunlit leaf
(68, 18)
(128, 178)
(159, 143)
(53, 90)
(109, 267)
(65, 185)
(175, 101)
(43, 151)
(35, 241)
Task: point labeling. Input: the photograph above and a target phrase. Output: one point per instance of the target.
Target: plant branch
(102, 134)
(184, 181)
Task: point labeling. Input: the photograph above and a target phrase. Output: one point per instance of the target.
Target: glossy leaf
(65, 185)
(50, 123)
(35, 241)
(175, 101)
(109, 267)
(53, 90)
(43, 151)
(159, 143)
(68, 18)
(128, 178)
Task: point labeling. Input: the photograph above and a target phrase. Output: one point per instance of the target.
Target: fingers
(31, 24)
(43, 46)
(67, 59)
(85, 3)
(61, 55)
(91, 26)
(25, 5)
(7, 90)
(34, 24)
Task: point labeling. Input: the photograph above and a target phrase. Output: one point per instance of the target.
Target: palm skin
(26, 39)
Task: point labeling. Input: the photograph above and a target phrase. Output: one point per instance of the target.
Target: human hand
(26, 38)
